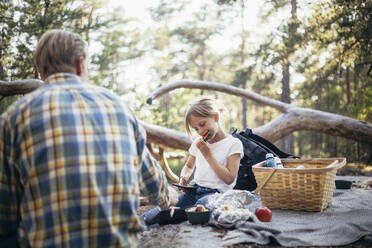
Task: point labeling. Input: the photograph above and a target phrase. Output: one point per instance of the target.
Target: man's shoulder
(62, 92)
(23, 102)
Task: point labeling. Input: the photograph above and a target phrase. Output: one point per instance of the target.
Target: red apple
(263, 214)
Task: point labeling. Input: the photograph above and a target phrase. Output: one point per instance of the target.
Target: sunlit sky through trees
(140, 74)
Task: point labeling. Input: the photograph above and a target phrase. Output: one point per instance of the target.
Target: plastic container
(197, 217)
(270, 161)
(343, 184)
(278, 162)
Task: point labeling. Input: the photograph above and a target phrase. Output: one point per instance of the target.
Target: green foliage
(336, 63)
(119, 45)
(337, 42)
(242, 75)
(347, 24)
(24, 23)
(36, 17)
(167, 9)
(192, 56)
(30, 19)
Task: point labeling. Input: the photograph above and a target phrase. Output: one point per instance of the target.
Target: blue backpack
(255, 150)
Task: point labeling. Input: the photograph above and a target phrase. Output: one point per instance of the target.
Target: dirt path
(185, 235)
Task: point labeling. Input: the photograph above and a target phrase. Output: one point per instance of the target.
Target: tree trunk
(244, 110)
(285, 84)
(242, 61)
(292, 119)
(348, 95)
(203, 63)
(288, 141)
(335, 148)
(1, 70)
(348, 87)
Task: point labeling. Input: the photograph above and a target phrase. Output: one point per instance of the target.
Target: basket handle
(271, 173)
(336, 165)
(331, 165)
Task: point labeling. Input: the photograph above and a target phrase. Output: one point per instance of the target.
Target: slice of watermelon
(207, 136)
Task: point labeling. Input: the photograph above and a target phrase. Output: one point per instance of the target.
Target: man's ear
(79, 66)
(42, 77)
(217, 117)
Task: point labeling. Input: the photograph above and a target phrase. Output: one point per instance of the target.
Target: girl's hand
(204, 148)
(183, 181)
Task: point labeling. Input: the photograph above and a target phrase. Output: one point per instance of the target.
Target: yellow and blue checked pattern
(73, 163)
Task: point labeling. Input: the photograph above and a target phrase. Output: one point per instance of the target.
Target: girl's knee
(203, 200)
(185, 200)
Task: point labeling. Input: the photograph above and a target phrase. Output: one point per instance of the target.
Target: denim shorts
(196, 196)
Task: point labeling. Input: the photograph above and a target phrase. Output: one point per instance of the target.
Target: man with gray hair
(73, 159)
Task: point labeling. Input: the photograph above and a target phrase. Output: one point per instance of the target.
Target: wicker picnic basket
(309, 189)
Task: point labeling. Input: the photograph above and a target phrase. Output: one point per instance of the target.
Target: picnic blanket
(347, 220)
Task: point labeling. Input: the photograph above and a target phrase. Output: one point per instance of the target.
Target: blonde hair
(201, 107)
(58, 51)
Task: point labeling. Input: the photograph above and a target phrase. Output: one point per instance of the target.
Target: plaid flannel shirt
(73, 162)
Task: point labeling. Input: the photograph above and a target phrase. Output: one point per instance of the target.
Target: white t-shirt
(221, 150)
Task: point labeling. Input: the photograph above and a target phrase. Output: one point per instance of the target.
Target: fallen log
(165, 137)
(19, 86)
(293, 118)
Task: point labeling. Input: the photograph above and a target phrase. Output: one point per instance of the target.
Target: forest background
(313, 54)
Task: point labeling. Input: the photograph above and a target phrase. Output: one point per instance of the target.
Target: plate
(184, 186)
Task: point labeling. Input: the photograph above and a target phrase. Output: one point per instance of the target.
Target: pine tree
(7, 24)
(33, 18)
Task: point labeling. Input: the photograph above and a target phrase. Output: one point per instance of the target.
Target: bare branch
(281, 106)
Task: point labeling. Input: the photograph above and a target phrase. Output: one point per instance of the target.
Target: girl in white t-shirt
(216, 162)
